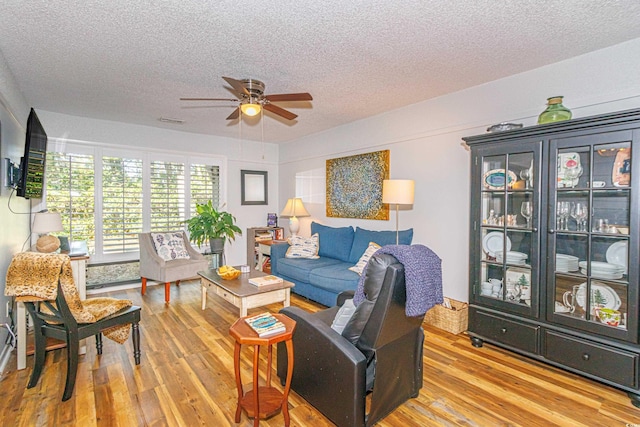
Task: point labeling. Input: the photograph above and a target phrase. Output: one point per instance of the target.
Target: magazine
(265, 280)
(265, 324)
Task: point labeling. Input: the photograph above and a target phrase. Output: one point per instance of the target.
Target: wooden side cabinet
(254, 236)
(554, 245)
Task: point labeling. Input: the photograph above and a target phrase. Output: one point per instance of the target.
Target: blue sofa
(322, 279)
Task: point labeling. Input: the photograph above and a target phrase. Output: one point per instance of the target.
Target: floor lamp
(398, 192)
(293, 210)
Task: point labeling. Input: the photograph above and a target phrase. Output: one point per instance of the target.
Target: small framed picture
(254, 186)
(272, 220)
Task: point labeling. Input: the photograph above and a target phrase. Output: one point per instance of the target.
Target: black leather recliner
(379, 351)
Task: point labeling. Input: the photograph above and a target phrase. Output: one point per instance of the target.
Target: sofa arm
(278, 251)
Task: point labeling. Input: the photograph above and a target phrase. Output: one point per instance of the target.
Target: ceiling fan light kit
(250, 109)
(251, 99)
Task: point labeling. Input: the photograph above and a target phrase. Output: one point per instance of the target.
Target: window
(132, 192)
(70, 191)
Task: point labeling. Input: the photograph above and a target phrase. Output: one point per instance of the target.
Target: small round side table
(267, 401)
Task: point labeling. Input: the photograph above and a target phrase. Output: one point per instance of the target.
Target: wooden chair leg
(73, 347)
(144, 285)
(135, 332)
(167, 291)
(39, 355)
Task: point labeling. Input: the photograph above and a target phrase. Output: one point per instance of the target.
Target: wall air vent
(169, 120)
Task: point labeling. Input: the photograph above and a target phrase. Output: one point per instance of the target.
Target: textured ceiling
(131, 61)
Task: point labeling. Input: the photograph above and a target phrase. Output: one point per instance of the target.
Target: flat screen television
(32, 164)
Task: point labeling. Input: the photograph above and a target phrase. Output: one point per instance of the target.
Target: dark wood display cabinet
(554, 245)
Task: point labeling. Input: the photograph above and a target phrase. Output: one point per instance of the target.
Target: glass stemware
(579, 213)
(526, 210)
(563, 210)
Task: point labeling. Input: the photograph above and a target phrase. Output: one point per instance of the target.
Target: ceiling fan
(252, 99)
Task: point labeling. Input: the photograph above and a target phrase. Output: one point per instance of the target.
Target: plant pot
(217, 249)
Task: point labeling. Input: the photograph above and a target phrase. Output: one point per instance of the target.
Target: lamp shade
(250, 109)
(46, 222)
(294, 208)
(398, 191)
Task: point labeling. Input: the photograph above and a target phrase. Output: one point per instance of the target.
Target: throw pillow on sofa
(364, 259)
(302, 247)
(170, 246)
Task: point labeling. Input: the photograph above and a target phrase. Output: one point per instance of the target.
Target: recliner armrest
(345, 295)
(320, 335)
(328, 370)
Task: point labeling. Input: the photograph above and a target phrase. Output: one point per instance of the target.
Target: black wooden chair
(61, 324)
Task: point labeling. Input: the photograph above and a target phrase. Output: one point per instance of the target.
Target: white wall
(425, 143)
(15, 227)
(244, 155)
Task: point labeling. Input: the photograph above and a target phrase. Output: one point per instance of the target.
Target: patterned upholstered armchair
(168, 257)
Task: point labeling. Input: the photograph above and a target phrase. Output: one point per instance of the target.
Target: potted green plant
(213, 225)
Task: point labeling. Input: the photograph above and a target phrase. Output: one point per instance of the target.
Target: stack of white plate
(603, 270)
(566, 263)
(515, 258)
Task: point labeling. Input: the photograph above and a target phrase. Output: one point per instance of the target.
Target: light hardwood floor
(186, 379)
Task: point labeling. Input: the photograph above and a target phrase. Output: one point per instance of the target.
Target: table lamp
(398, 192)
(293, 210)
(43, 223)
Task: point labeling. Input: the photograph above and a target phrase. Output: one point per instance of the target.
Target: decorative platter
(492, 243)
(610, 297)
(495, 179)
(617, 254)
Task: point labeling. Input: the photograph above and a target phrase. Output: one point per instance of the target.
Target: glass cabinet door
(589, 232)
(507, 235)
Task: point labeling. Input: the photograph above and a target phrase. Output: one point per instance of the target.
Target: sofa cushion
(335, 277)
(298, 269)
(335, 242)
(302, 247)
(362, 238)
(170, 246)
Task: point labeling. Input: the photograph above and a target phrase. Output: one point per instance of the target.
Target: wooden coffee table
(243, 294)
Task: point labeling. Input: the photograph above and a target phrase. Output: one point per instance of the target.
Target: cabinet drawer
(608, 363)
(228, 296)
(509, 332)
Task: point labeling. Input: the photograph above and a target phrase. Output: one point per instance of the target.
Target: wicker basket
(452, 320)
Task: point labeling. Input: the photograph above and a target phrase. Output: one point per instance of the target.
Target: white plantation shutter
(121, 204)
(70, 191)
(205, 185)
(167, 196)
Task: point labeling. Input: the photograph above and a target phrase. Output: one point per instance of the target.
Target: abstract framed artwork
(354, 186)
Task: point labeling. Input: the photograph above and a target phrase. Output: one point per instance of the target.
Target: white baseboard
(4, 358)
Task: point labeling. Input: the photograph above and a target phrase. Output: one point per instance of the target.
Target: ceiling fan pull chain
(262, 130)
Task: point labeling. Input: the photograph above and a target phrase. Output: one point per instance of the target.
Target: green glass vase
(555, 112)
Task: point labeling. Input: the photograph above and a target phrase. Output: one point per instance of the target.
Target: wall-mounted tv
(32, 164)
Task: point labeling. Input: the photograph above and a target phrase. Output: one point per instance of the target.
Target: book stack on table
(265, 324)
(265, 280)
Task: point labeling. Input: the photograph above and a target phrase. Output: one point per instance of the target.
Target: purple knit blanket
(422, 274)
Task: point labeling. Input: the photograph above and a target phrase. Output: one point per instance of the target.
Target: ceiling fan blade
(289, 97)
(280, 111)
(209, 99)
(235, 114)
(237, 85)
